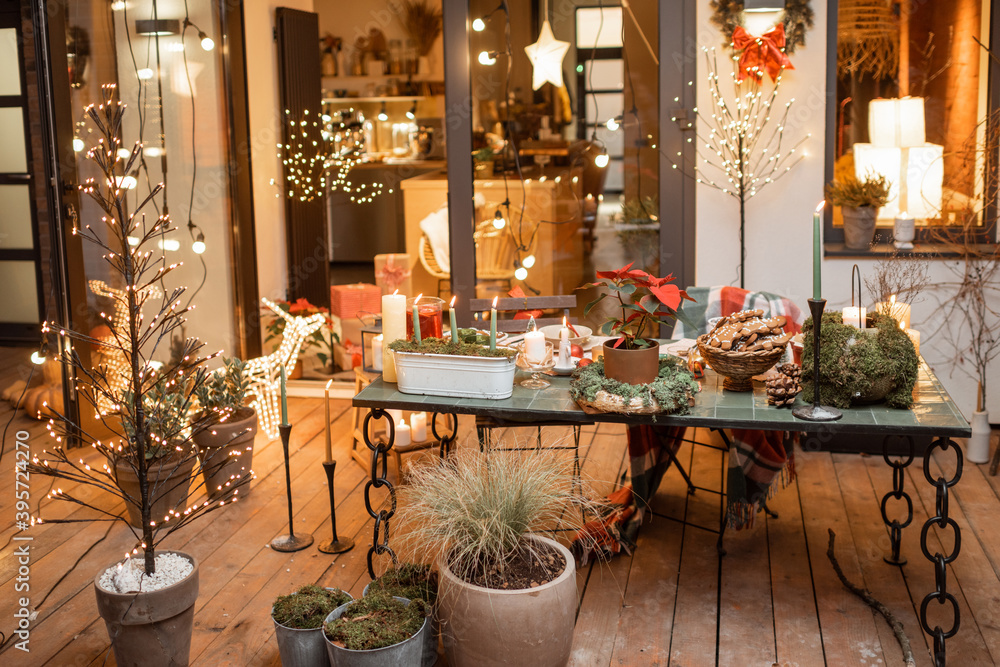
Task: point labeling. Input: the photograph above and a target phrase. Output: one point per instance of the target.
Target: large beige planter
(859, 226)
(226, 450)
(534, 626)
(170, 481)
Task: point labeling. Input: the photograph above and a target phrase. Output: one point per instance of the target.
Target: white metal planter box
(454, 375)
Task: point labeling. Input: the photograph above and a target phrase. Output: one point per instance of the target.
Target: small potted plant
(298, 623)
(412, 581)
(225, 441)
(483, 162)
(507, 594)
(644, 302)
(438, 367)
(859, 202)
(376, 630)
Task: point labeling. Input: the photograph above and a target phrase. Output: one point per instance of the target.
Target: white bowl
(552, 333)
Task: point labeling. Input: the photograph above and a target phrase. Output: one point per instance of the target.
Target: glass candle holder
(429, 311)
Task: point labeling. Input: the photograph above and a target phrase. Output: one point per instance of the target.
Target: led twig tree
(741, 147)
(150, 429)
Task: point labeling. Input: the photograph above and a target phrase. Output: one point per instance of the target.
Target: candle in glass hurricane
(429, 316)
(377, 352)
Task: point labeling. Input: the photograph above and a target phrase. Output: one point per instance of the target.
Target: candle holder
(535, 367)
(335, 545)
(291, 541)
(817, 412)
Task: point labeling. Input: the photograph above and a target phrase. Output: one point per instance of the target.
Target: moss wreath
(672, 389)
(849, 368)
(798, 19)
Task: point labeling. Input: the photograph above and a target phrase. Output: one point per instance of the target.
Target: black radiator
(301, 91)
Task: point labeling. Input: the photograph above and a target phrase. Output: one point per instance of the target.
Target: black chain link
(941, 561)
(380, 458)
(447, 440)
(898, 477)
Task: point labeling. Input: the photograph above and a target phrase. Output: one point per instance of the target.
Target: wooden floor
(773, 600)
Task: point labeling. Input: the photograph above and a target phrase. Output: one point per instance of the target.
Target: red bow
(391, 275)
(761, 54)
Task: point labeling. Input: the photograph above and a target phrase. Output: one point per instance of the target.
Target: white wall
(265, 132)
(779, 220)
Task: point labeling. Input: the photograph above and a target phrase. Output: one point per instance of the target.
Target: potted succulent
(859, 202)
(376, 630)
(412, 581)
(298, 623)
(644, 302)
(146, 599)
(438, 367)
(225, 443)
(506, 594)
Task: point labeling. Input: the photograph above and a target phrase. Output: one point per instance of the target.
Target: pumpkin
(43, 402)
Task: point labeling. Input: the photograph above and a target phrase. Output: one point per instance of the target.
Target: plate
(552, 333)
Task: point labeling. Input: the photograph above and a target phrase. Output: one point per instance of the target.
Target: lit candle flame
(417, 299)
(328, 383)
(821, 206)
(892, 300)
(451, 304)
(495, 301)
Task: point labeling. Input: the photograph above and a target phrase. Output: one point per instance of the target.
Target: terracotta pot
(226, 449)
(640, 366)
(172, 481)
(151, 629)
(533, 626)
(859, 226)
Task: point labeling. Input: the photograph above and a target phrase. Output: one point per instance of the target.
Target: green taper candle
(818, 252)
(284, 398)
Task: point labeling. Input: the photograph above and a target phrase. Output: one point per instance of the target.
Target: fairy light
(265, 372)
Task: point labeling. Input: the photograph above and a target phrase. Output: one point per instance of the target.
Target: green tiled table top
(933, 412)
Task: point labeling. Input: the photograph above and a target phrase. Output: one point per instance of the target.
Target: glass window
(15, 223)
(911, 96)
(598, 27)
(10, 72)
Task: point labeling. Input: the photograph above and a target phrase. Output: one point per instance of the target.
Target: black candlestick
(291, 541)
(817, 412)
(336, 545)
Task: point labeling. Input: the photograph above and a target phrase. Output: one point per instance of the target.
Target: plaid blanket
(757, 459)
(719, 301)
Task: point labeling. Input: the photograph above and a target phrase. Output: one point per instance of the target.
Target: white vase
(977, 450)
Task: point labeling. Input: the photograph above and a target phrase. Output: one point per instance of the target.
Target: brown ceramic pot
(226, 449)
(639, 366)
(532, 626)
(172, 482)
(151, 629)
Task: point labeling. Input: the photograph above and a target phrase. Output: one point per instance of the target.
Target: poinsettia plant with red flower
(645, 302)
(323, 338)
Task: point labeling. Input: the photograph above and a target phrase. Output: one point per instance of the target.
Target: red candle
(429, 310)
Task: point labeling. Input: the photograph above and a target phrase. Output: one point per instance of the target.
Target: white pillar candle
(395, 415)
(393, 328)
(854, 316)
(377, 352)
(418, 426)
(564, 348)
(402, 434)
(897, 310)
(915, 338)
(534, 345)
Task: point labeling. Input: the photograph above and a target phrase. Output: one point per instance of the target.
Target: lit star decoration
(546, 56)
(265, 372)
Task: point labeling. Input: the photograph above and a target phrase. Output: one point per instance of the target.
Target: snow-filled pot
(150, 629)
(301, 647)
(531, 626)
(455, 375)
(226, 449)
(407, 653)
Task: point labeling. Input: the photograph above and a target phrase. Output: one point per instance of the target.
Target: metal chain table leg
(448, 439)
(896, 526)
(379, 472)
(941, 561)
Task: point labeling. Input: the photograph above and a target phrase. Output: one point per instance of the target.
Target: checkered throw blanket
(718, 301)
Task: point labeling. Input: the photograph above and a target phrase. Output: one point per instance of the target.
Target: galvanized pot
(430, 654)
(406, 653)
(301, 648)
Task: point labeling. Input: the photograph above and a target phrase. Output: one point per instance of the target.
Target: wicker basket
(738, 367)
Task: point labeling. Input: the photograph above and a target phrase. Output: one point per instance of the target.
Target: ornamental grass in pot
(507, 594)
(859, 202)
(298, 624)
(225, 444)
(644, 303)
(377, 631)
(147, 599)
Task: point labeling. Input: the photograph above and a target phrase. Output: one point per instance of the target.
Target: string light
(498, 220)
(602, 159)
(528, 261)
(488, 58)
(198, 247)
(520, 273)
(478, 25)
(265, 372)
(614, 123)
(145, 74)
(382, 114)
(411, 113)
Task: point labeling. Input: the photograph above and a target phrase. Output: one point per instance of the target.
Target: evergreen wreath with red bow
(727, 15)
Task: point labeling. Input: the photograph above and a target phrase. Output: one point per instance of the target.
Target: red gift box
(346, 301)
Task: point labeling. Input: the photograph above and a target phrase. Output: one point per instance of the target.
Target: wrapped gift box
(347, 301)
(392, 272)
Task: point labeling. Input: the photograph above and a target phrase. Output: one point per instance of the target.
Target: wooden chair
(431, 265)
(495, 253)
(486, 425)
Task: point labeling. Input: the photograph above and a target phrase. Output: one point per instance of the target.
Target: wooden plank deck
(773, 600)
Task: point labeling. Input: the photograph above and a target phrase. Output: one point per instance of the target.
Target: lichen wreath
(798, 18)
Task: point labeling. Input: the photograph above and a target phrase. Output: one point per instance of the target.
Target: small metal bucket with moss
(413, 581)
(377, 631)
(298, 624)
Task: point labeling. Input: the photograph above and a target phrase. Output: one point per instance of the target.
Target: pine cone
(783, 387)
